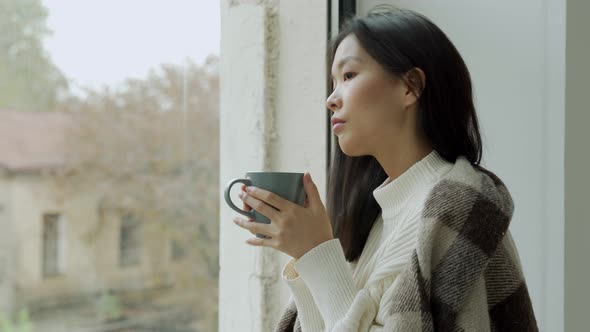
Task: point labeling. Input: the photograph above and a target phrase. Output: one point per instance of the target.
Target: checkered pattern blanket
(465, 273)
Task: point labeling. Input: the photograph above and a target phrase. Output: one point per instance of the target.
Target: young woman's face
(371, 101)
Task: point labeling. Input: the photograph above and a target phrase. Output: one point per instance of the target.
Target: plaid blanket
(465, 273)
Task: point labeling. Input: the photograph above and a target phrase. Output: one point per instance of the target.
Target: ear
(414, 83)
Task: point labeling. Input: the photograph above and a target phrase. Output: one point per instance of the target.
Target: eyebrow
(344, 61)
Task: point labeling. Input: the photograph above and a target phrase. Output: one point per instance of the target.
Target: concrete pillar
(273, 118)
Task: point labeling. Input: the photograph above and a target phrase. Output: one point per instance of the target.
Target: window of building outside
(177, 250)
(109, 165)
(130, 241)
(51, 243)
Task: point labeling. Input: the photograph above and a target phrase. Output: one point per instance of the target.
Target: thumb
(311, 190)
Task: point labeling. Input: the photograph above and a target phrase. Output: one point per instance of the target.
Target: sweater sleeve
(325, 294)
(309, 315)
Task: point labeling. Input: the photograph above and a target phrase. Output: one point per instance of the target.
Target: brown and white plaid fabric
(465, 273)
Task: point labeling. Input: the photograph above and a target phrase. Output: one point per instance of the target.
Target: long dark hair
(401, 40)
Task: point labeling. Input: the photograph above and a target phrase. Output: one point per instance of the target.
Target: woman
(415, 236)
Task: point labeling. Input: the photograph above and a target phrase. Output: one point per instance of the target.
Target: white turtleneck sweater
(332, 294)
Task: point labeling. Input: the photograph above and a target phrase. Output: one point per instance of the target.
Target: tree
(29, 81)
(152, 149)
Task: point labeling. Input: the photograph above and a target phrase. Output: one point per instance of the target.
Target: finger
(260, 206)
(245, 206)
(245, 221)
(270, 198)
(259, 242)
(255, 227)
(311, 190)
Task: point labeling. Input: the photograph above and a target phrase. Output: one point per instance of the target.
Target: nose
(334, 102)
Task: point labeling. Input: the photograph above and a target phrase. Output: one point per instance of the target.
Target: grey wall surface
(515, 53)
(577, 165)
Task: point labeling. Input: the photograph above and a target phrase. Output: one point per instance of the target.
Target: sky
(102, 42)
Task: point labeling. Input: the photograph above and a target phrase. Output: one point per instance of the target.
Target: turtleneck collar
(392, 196)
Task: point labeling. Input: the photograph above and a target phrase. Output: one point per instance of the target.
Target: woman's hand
(294, 229)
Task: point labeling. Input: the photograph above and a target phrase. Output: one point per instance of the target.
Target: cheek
(375, 103)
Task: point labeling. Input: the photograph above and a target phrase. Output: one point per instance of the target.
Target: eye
(348, 76)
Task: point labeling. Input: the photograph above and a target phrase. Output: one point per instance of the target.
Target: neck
(403, 158)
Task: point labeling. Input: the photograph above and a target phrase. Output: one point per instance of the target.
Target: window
(129, 241)
(123, 140)
(177, 250)
(51, 244)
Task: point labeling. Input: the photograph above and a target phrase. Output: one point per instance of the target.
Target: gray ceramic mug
(287, 185)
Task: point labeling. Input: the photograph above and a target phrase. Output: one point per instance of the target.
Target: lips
(336, 121)
(337, 124)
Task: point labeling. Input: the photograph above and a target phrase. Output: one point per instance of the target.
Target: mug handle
(231, 204)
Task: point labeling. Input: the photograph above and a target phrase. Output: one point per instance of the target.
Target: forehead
(349, 50)
(350, 45)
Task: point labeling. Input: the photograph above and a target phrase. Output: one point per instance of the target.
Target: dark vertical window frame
(346, 9)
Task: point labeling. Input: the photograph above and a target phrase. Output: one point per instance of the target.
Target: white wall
(273, 118)
(301, 96)
(515, 51)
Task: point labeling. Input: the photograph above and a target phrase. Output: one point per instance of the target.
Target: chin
(351, 151)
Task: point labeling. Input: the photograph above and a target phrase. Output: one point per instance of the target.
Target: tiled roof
(32, 141)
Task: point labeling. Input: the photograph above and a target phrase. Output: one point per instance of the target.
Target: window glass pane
(51, 238)
(177, 250)
(109, 164)
(130, 241)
